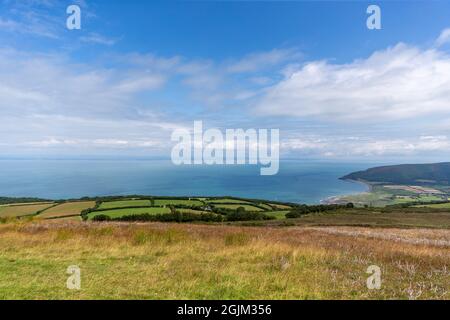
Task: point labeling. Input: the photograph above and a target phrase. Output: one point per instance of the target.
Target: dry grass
(172, 261)
(67, 209)
(400, 218)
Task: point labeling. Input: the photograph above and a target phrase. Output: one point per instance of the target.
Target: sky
(138, 70)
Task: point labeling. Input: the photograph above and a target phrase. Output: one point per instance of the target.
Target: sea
(298, 181)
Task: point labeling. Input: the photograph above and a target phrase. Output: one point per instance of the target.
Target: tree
(240, 210)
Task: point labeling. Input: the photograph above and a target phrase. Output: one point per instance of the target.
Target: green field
(265, 206)
(166, 202)
(235, 206)
(225, 203)
(116, 213)
(279, 215)
(124, 203)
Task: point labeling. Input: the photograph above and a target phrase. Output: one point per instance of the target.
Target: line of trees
(301, 210)
(166, 217)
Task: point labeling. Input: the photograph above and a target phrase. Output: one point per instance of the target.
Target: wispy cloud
(444, 37)
(263, 60)
(96, 38)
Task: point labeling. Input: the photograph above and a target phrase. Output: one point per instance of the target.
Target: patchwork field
(185, 261)
(67, 209)
(136, 206)
(22, 210)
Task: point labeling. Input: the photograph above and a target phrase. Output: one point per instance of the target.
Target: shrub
(102, 217)
(247, 216)
(300, 210)
(173, 217)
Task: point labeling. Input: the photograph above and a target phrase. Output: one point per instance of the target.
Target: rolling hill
(421, 174)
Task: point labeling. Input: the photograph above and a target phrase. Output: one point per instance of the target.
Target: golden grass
(182, 261)
(67, 209)
(22, 210)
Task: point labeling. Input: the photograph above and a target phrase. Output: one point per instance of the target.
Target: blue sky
(137, 70)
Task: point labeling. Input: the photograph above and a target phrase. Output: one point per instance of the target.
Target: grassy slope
(391, 219)
(168, 261)
(436, 206)
(405, 174)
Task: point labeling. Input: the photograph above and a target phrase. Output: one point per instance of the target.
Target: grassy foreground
(185, 261)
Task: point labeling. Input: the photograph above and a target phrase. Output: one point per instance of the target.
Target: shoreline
(340, 198)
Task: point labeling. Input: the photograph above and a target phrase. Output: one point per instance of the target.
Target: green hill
(433, 174)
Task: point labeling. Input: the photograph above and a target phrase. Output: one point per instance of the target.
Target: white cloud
(396, 83)
(49, 102)
(141, 83)
(34, 27)
(443, 38)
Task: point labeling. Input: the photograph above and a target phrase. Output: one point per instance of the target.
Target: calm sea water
(297, 181)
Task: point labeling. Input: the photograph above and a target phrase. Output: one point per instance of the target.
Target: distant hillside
(436, 173)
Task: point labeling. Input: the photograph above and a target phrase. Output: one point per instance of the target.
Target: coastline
(340, 199)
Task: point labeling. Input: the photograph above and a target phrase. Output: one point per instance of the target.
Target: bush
(247, 216)
(173, 217)
(300, 210)
(102, 217)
